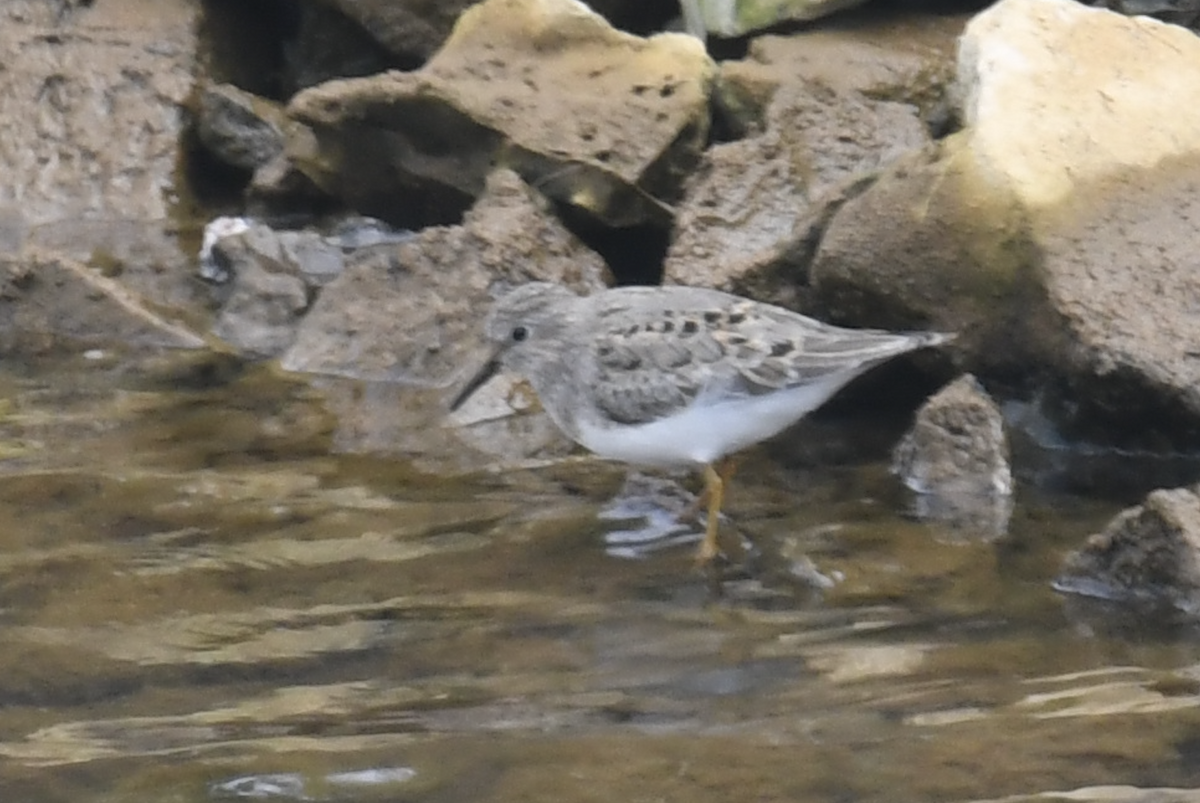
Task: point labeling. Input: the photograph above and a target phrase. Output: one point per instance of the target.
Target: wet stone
(956, 458)
(1148, 554)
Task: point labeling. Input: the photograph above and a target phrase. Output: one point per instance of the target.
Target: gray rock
(261, 314)
(412, 312)
(239, 128)
(268, 276)
(410, 29)
(956, 458)
(738, 17)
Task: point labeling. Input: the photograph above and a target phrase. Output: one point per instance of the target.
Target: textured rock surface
(956, 458)
(820, 112)
(91, 122)
(91, 109)
(1057, 97)
(957, 444)
(412, 312)
(1056, 229)
(738, 17)
(602, 120)
(48, 301)
(1149, 553)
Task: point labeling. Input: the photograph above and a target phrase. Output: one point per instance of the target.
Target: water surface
(221, 583)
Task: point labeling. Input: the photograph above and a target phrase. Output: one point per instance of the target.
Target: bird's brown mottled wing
(652, 353)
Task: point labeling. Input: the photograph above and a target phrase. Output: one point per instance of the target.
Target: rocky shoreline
(1025, 176)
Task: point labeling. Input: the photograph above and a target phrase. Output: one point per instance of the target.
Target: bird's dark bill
(486, 372)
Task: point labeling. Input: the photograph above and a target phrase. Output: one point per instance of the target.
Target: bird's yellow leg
(714, 490)
(726, 467)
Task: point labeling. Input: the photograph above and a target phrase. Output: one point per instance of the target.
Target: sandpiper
(675, 376)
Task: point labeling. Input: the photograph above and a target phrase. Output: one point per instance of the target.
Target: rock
(317, 254)
(956, 458)
(1038, 73)
(247, 132)
(332, 42)
(1148, 554)
(823, 112)
(215, 265)
(273, 274)
(91, 111)
(412, 312)
(739, 212)
(239, 128)
(261, 315)
(957, 444)
(91, 119)
(748, 210)
(1048, 231)
(595, 118)
(731, 18)
(279, 187)
(145, 256)
(906, 58)
(411, 30)
(1177, 12)
(48, 301)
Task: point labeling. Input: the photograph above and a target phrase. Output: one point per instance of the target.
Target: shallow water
(222, 584)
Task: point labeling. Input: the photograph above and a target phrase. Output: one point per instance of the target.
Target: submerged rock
(1148, 554)
(957, 444)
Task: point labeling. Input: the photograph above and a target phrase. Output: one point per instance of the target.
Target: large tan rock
(1058, 99)
(599, 119)
(1055, 229)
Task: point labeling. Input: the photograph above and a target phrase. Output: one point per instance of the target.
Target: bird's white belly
(704, 431)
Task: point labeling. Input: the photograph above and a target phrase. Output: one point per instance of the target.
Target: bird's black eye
(519, 333)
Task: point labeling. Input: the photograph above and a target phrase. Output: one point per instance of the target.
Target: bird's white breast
(708, 429)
